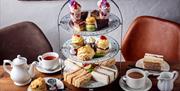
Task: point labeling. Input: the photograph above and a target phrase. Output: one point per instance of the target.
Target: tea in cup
(49, 60)
(136, 78)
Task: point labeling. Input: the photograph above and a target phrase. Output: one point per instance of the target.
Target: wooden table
(6, 84)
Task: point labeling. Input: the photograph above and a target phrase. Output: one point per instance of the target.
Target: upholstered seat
(152, 35)
(23, 38)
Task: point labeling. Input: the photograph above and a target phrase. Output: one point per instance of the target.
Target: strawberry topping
(77, 35)
(103, 37)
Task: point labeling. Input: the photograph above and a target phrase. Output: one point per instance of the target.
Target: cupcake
(75, 10)
(77, 41)
(85, 53)
(79, 25)
(104, 9)
(91, 24)
(102, 46)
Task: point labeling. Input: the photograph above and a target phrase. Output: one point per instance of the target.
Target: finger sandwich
(104, 74)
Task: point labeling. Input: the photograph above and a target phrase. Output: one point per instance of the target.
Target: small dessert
(85, 53)
(95, 13)
(102, 46)
(84, 15)
(152, 61)
(91, 24)
(101, 23)
(77, 41)
(75, 10)
(104, 74)
(79, 25)
(78, 77)
(91, 41)
(38, 85)
(104, 9)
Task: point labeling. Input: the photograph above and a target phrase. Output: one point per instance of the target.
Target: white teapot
(166, 80)
(21, 74)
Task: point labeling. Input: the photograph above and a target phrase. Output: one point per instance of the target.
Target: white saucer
(59, 83)
(125, 87)
(58, 68)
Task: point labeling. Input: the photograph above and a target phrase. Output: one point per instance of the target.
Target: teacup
(49, 60)
(136, 78)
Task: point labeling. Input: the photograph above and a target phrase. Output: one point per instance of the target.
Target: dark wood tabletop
(6, 84)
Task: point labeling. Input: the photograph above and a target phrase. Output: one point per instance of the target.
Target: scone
(38, 85)
(85, 53)
(77, 41)
(102, 45)
(152, 61)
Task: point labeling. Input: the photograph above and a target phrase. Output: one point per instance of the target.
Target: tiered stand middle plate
(113, 51)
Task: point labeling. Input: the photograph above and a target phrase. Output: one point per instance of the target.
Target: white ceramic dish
(125, 87)
(59, 83)
(58, 68)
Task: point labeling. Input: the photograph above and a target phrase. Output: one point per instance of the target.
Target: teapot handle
(5, 67)
(175, 75)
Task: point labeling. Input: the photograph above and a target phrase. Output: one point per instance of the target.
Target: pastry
(95, 13)
(104, 9)
(91, 24)
(152, 61)
(101, 23)
(102, 45)
(91, 41)
(77, 41)
(38, 85)
(85, 53)
(79, 25)
(84, 15)
(75, 10)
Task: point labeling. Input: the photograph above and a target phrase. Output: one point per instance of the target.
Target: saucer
(58, 68)
(59, 83)
(125, 87)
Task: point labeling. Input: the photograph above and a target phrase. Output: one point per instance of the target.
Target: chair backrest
(152, 35)
(23, 38)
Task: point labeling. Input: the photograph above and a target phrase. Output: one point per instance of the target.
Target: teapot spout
(31, 70)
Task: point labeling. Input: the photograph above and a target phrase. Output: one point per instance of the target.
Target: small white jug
(21, 74)
(166, 80)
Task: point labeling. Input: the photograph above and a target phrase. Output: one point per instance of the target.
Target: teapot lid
(19, 60)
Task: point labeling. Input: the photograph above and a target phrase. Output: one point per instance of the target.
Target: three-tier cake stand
(115, 23)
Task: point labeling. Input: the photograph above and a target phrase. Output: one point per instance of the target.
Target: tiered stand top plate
(113, 50)
(114, 23)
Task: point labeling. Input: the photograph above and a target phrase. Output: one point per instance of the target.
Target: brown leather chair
(152, 35)
(23, 38)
